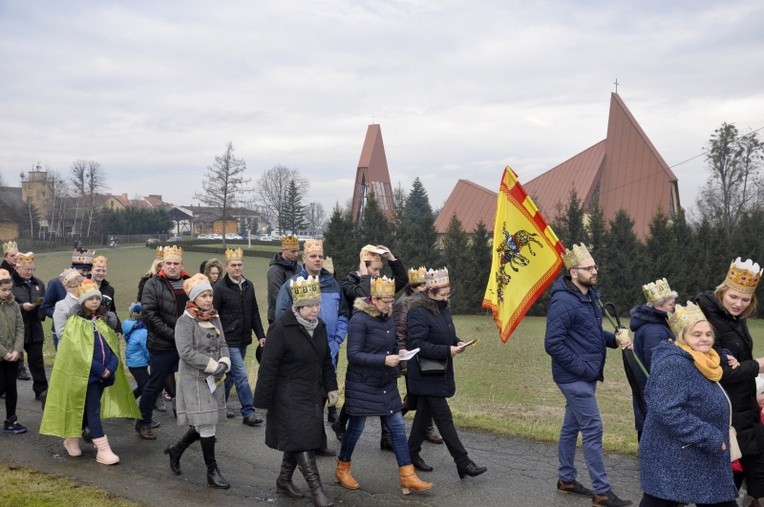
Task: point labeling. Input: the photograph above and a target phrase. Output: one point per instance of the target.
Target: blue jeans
(238, 376)
(582, 415)
(161, 364)
(397, 432)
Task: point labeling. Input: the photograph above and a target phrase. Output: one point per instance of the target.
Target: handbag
(429, 366)
(735, 453)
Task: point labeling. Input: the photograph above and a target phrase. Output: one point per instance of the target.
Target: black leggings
(8, 371)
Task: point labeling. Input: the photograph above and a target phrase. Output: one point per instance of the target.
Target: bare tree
(732, 189)
(224, 184)
(77, 180)
(315, 215)
(272, 190)
(58, 202)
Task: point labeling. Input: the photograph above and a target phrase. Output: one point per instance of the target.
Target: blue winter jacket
(103, 359)
(431, 329)
(334, 311)
(371, 387)
(574, 335)
(136, 352)
(680, 455)
(650, 328)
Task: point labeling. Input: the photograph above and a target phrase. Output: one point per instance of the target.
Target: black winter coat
(431, 329)
(107, 289)
(732, 334)
(371, 387)
(295, 374)
(29, 292)
(359, 286)
(238, 311)
(160, 312)
(279, 271)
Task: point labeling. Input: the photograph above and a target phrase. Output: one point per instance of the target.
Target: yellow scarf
(708, 363)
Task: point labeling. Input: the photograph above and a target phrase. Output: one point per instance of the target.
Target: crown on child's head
(382, 287)
(305, 291)
(173, 253)
(683, 316)
(743, 276)
(236, 254)
(575, 255)
(10, 246)
(417, 276)
(437, 278)
(657, 290)
(160, 253)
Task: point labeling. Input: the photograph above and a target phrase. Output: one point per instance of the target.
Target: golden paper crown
(743, 276)
(196, 285)
(160, 253)
(9, 246)
(371, 253)
(437, 278)
(313, 245)
(576, 255)
(100, 261)
(657, 290)
(383, 287)
(683, 316)
(87, 290)
(236, 254)
(70, 278)
(4, 274)
(25, 259)
(417, 276)
(329, 265)
(85, 257)
(289, 242)
(173, 252)
(305, 291)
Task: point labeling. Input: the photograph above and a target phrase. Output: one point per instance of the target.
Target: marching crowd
(697, 415)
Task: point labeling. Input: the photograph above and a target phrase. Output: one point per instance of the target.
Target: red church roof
(471, 203)
(373, 175)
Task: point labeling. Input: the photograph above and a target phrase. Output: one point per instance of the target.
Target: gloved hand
(220, 370)
(334, 397)
(623, 338)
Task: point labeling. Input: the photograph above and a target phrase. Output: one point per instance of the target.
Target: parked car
(153, 242)
(203, 236)
(232, 235)
(174, 239)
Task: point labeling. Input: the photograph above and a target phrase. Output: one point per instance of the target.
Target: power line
(704, 153)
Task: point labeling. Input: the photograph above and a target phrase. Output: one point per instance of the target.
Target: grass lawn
(504, 388)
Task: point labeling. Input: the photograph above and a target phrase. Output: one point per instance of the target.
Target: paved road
(520, 472)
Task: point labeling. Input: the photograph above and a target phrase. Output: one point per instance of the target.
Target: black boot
(386, 439)
(214, 477)
(307, 463)
(331, 414)
(176, 451)
(284, 482)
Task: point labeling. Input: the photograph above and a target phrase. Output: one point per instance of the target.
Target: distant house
(623, 171)
(209, 220)
(14, 214)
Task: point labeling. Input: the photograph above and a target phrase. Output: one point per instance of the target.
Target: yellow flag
(527, 255)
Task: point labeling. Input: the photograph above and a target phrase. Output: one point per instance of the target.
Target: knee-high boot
(176, 451)
(214, 477)
(284, 482)
(307, 463)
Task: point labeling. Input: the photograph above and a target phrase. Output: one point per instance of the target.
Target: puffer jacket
(574, 336)
(431, 329)
(238, 311)
(279, 271)
(11, 327)
(160, 311)
(370, 385)
(732, 334)
(687, 423)
(136, 353)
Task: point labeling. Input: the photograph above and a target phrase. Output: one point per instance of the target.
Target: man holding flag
(577, 343)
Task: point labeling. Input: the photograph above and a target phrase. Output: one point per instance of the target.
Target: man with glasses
(577, 343)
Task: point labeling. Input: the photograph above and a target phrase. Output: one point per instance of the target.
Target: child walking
(86, 369)
(136, 353)
(11, 346)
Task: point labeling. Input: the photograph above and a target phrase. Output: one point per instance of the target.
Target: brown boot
(344, 477)
(432, 435)
(410, 480)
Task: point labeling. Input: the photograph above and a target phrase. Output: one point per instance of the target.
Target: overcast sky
(155, 90)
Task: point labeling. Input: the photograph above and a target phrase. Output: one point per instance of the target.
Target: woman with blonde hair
(156, 267)
(684, 452)
(213, 269)
(727, 308)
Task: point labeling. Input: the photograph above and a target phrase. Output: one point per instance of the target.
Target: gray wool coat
(201, 346)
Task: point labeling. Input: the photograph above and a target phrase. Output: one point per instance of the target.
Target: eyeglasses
(588, 268)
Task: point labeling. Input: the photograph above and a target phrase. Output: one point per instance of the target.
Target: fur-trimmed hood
(428, 304)
(363, 305)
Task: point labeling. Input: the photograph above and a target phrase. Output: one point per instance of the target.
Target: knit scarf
(708, 363)
(199, 314)
(309, 326)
